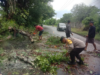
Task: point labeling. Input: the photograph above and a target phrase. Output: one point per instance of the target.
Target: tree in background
(81, 11)
(27, 12)
(50, 21)
(66, 17)
(57, 22)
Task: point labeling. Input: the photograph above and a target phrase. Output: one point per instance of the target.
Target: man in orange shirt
(40, 29)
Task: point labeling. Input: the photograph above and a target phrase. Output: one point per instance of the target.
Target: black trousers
(67, 34)
(75, 53)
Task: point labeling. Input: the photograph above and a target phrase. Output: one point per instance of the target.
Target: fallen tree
(27, 34)
(16, 31)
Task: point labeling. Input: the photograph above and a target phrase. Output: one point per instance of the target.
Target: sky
(64, 6)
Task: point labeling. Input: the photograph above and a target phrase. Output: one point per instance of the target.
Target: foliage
(98, 26)
(6, 24)
(27, 12)
(96, 23)
(57, 21)
(1, 55)
(53, 40)
(81, 11)
(50, 21)
(86, 22)
(45, 62)
(66, 17)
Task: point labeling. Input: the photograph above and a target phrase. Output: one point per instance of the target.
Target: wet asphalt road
(53, 31)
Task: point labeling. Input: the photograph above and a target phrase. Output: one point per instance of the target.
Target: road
(53, 31)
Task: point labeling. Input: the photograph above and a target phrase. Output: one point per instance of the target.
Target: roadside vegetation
(53, 40)
(84, 33)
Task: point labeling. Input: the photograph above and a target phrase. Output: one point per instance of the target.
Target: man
(91, 35)
(75, 47)
(40, 29)
(68, 29)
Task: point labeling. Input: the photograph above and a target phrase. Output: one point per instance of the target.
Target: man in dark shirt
(91, 35)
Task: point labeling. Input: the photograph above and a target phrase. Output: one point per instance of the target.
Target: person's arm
(35, 31)
(69, 47)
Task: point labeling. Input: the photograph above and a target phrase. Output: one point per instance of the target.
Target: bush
(86, 22)
(45, 62)
(6, 24)
(96, 23)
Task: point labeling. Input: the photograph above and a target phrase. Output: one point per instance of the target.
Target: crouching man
(75, 47)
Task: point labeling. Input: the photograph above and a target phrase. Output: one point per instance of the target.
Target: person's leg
(41, 34)
(95, 48)
(39, 37)
(66, 34)
(72, 57)
(78, 51)
(86, 45)
(78, 57)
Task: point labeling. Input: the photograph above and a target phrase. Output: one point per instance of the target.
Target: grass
(53, 41)
(84, 33)
(97, 37)
(79, 31)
